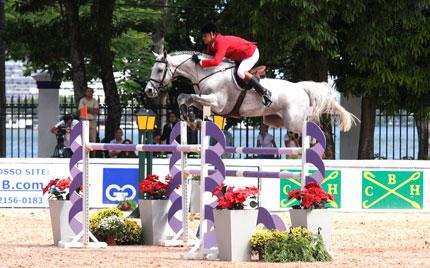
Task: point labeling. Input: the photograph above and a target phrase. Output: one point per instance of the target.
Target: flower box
(195, 197)
(234, 229)
(59, 212)
(315, 220)
(153, 216)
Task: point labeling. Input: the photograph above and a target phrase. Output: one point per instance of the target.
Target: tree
(382, 56)
(102, 12)
(96, 46)
(2, 83)
(79, 77)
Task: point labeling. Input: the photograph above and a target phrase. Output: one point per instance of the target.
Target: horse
(216, 87)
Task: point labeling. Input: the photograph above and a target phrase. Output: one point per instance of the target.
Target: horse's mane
(190, 52)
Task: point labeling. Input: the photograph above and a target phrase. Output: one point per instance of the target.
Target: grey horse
(293, 103)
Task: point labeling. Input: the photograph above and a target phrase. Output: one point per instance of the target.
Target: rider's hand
(195, 58)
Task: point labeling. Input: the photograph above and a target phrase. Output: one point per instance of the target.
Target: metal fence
(395, 136)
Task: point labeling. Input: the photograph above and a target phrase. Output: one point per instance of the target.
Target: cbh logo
(115, 192)
(119, 184)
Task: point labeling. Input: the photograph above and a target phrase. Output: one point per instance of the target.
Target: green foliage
(297, 244)
(37, 33)
(132, 234)
(111, 222)
(261, 237)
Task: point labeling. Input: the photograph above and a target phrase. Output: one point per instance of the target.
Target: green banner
(392, 189)
(331, 184)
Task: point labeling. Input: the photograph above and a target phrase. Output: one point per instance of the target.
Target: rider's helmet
(209, 27)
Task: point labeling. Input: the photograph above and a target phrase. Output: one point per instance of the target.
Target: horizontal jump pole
(251, 174)
(190, 148)
(143, 147)
(264, 150)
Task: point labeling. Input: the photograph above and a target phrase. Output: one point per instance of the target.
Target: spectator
(127, 154)
(62, 131)
(167, 129)
(118, 140)
(157, 140)
(264, 139)
(92, 110)
(292, 140)
(228, 140)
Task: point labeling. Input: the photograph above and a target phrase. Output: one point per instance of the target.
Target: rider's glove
(195, 58)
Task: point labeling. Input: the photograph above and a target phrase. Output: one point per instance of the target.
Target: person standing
(264, 139)
(92, 111)
(292, 140)
(167, 129)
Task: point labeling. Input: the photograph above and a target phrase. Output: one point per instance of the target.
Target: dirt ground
(359, 240)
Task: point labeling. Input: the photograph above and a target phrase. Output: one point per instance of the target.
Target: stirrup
(267, 101)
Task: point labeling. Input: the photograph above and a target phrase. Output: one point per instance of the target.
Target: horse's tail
(323, 100)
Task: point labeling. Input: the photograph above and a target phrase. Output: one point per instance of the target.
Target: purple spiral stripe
(175, 198)
(314, 154)
(213, 156)
(76, 174)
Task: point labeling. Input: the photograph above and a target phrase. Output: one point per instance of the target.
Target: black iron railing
(395, 136)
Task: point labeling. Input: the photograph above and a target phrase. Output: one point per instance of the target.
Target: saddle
(259, 72)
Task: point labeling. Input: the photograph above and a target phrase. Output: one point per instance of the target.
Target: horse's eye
(159, 70)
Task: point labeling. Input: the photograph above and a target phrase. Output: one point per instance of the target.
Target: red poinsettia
(154, 189)
(312, 196)
(58, 189)
(228, 198)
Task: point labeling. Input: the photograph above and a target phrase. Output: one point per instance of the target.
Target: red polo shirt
(232, 47)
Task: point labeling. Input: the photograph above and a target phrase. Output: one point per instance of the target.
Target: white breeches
(247, 64)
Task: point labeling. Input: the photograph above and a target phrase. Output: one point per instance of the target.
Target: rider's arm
(220, 50)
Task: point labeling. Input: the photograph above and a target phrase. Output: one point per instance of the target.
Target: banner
(21, 185)
(392, 189)
(331, 184)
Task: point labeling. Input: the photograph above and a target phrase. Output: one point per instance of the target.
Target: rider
(235, 48)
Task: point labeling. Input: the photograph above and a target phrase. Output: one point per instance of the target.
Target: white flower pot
(195, 197)
(234, 229)
(153, 216)
(59, 212)
(314, 219)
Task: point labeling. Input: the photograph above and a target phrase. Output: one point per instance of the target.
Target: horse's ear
(155, 54)
(165, 54)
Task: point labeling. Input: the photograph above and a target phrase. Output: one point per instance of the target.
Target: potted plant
(59, 206)
(234, 225)
(110, 225)
(153, 209)
(195, 194)
(311, 212)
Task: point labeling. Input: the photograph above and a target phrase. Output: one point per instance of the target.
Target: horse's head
(161, 76)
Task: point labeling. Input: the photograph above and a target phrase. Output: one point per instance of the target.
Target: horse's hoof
(183, 112)
(198, 124)
(191, 115)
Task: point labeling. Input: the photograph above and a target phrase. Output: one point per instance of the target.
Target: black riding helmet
(209, 27)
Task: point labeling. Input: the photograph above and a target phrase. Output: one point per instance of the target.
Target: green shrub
(296, 244)
(261, 237)
(111, 222)
(132, 235)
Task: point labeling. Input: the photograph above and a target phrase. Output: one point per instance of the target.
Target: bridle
(160, 83)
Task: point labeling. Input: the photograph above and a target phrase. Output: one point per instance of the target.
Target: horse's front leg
(186, 103)
(183, 100)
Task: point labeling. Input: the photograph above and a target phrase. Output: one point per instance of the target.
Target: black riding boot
(264, 92)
